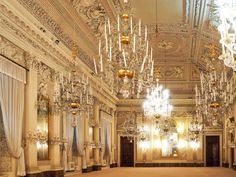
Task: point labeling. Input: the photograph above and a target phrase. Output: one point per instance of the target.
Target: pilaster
(96, 134)
(31, 121)
(54, 135)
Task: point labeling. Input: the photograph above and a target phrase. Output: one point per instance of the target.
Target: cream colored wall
(153, 152)
(17, 46)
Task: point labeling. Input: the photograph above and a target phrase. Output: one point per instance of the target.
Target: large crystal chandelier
(125, 58)
(227, 28)
(73, 93)
(157, 101)
(214, 96)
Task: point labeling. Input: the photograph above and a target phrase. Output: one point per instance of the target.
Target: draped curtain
(69, 135)
(76, 133)
(106, 133)
(80, 135)
(80, 139)
(12, 93)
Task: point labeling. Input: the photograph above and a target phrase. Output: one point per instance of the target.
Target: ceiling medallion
(165, 45)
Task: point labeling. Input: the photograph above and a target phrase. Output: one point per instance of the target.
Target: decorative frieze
(6, 16)
(34, 8)
(11, 51)
(172, 72)
(105, 108)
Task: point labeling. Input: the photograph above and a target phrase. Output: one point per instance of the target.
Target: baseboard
(97, 167)
(88, 169)
(51, 173)
(225, 164)
(113, 165)
(234, 167)
(169, 164)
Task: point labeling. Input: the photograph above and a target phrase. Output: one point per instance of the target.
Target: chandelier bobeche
(125, 58)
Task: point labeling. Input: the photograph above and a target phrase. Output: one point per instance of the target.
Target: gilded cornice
(38, 12)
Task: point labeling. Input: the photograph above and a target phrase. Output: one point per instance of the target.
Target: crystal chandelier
(157, 101)
(214, 96)
(195, 128)
(125, 58)
(227, 28)
(73, 94)
(165, 126)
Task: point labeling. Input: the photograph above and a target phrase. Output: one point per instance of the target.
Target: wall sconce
(56, 140)
(37, 137)
(181, 143)
(194, 145)
(144, 144)
(158, 144)
(180, 128)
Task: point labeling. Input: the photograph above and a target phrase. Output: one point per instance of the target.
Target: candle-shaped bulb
(139, 28)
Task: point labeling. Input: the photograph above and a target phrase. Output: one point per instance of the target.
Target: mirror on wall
(169, 145)
(91, 140)
(169, 139)
(42, 121)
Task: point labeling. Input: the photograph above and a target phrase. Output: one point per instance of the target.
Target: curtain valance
(12, 70)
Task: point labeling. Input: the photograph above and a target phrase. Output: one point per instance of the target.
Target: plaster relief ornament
(93, 14)
(165, 45)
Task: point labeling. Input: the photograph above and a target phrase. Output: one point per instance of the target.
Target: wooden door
(127, 152)
(212, 151)
(232, 156)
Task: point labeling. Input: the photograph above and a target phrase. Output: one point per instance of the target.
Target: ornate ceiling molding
(92, 12)
(38, 12)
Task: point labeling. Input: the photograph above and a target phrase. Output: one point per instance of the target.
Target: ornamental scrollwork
(35, 9)
(92, 13)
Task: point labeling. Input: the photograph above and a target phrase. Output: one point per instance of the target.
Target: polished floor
(162, 172)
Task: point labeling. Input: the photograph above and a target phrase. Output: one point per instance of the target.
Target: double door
(212, 151)
(127, 152)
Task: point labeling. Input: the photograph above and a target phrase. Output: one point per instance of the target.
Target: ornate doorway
(127, 152)
(212, 151)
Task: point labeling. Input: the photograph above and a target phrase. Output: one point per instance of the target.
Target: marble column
(31, 121)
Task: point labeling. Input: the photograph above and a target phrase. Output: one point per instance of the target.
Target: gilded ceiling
(179, 32)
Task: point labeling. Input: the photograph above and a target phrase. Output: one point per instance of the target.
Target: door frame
(219, 134)
(119, 150)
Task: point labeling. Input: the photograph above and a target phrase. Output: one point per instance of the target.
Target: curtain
(12, 85)
(103, 136)
(106, 133)
(69, 132)
(69, 136)
(109, 138)
(80, 135)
